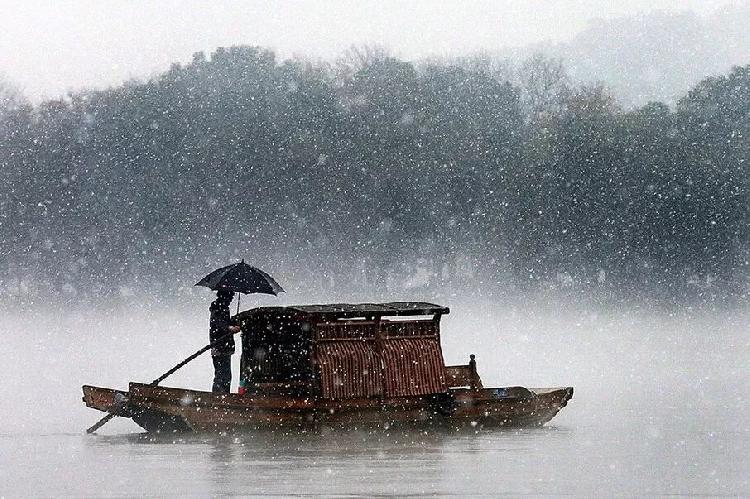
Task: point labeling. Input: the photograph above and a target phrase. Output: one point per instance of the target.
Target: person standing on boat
(222, 325)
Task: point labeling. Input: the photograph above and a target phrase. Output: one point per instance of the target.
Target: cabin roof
(359, 309)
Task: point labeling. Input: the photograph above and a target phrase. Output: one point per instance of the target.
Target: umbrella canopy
(241, 278)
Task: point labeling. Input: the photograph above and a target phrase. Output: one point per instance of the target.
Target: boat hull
(163, 409)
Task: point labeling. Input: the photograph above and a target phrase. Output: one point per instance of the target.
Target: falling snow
(587, 225)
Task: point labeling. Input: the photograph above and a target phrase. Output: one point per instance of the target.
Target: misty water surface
(659, 408)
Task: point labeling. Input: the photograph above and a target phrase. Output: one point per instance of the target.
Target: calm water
(659, 409)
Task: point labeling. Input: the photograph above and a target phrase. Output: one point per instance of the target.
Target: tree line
(375, 173)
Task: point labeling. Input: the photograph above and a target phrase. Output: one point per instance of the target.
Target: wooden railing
(464, 375)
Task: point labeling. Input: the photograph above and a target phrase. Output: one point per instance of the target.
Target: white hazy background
(48, 48)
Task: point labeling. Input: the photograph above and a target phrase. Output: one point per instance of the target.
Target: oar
(164, 376)
(101, 423)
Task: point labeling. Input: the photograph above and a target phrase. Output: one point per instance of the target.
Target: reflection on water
(591, 460)
(329, 462)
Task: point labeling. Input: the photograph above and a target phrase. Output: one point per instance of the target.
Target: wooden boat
(338, 365)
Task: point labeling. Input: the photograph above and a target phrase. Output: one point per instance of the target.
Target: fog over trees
(656, 55)
(376, 173)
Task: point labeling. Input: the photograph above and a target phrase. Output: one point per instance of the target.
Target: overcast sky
(48, 48)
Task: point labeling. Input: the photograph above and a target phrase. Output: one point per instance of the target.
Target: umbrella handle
(239, 297)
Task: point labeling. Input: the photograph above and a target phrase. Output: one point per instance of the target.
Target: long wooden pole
(164, 376)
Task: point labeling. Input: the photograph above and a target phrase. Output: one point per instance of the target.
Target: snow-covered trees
(378, 166)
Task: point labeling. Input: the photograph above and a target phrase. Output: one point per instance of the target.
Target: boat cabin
(344, 351)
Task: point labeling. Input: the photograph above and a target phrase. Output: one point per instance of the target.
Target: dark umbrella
(241, 278)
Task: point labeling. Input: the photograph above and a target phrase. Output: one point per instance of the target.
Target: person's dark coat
(219, 326)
